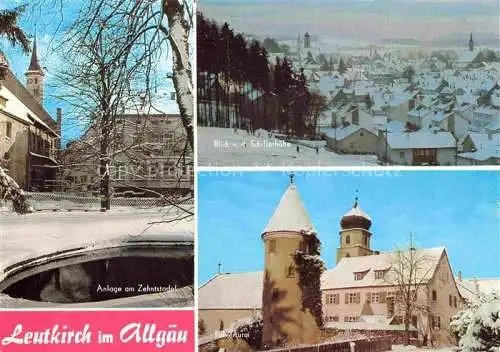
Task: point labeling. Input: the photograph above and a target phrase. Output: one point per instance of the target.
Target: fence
(378, 344)
(62, 201)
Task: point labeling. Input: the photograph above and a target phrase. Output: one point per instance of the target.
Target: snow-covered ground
(225, 147)
(402, 348)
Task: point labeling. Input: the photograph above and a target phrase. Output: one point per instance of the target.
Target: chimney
(476, 285)
(460, 275)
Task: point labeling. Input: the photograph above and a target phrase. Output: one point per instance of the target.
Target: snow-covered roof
(467, 56)
(393, 126)
(232, 291)
(342, 276)
(342, 133)
(290, 214)
(33, 236)
(487, 146)
(357, 211)
(22, 105)
(407, 140)
(244, 290)
(470, 288)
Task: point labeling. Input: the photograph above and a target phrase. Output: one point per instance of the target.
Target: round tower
(355, 235)
(285, 321)
(34, 76)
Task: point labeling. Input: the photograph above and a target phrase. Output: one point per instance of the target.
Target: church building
(29, 137)
(361, 293)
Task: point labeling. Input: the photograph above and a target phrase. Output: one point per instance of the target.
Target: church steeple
(471, 43)
(34, 76)
(355, 235)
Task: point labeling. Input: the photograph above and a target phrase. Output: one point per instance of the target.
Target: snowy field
(225, 147)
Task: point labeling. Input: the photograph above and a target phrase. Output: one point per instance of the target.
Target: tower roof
(34, 64)
(290, 214)
(356, 218)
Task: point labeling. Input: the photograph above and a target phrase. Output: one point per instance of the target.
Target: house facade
(147, 157)
(29, 137)
(418, 148)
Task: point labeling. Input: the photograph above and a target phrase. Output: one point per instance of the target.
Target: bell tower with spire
(34, 76)
(285, 320)
(355, 236)
(471, 43)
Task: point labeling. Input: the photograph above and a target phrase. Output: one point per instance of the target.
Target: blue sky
(48, 24)
(459, 210)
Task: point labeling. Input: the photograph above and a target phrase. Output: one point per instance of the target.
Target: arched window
(365, 240)
(347, 239)
(347, 255)
(221, 325)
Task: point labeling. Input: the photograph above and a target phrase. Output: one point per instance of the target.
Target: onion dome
(355, 218)
(290, 214)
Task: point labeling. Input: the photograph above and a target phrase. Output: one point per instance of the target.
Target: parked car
(116, 262)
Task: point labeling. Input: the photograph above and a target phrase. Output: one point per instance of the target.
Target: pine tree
(342, 68)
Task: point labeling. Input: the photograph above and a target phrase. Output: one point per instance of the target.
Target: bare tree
(411, 270)
(98, 77)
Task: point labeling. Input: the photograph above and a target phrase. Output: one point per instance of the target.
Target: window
(272, 246)
(455, 301)
(347, 239)
(402, 155)
(361, 133)
(332, 298)
(172, 96)
(352, 298)
(365, 240)
(350, 319)
(359, 276)
(375, 297)
(353, 145)
(332, 318)
(8, 129)
(450, 300)
(290, 271)
(434, 295)
(379, 274)
(3, 102)
(221, 325)
(437, 322)
(329, 298)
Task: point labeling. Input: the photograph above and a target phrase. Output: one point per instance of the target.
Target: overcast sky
(423, 20)
(455, 209)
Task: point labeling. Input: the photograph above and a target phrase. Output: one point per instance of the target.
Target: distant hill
(462, 39)
(400, 41)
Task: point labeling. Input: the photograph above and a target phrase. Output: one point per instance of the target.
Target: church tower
(285, 321)
(355, 236)
(307, 41)
(471, 43)
(34, 77)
